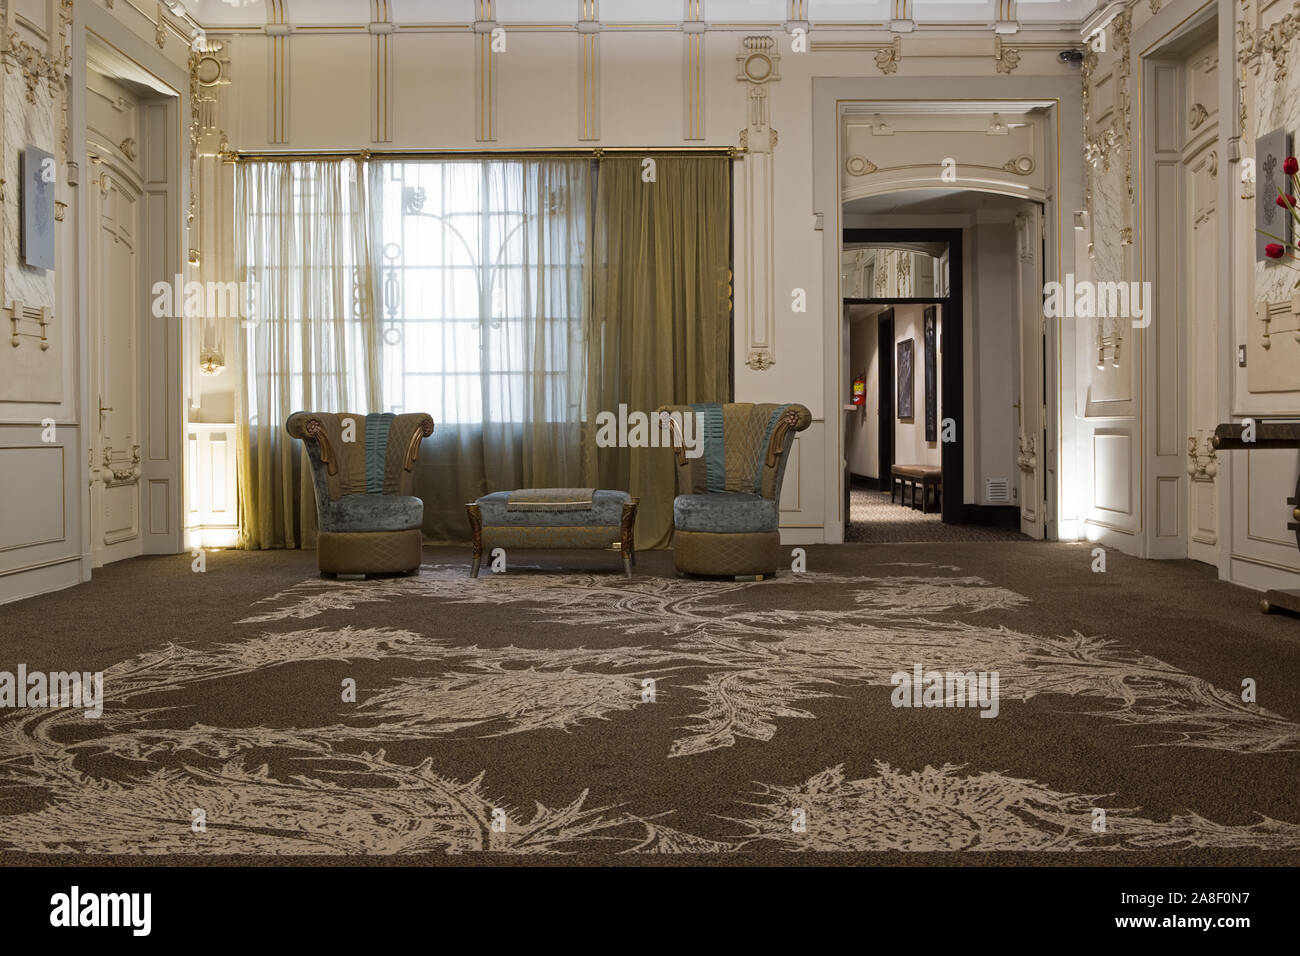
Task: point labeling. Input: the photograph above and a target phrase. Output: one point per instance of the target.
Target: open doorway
(136, 187)
(906, 444)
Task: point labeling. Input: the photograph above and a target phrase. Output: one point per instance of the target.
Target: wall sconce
(212, 346)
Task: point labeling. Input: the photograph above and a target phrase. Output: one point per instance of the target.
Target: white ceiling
(216, 14)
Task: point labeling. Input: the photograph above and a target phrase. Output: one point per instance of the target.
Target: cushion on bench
(606, 510)
(917, 471)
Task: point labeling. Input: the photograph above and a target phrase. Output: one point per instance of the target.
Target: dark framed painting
(1272, 222)
(931, 339)
(905, 379)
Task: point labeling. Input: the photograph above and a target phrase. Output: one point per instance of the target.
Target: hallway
(874, 520)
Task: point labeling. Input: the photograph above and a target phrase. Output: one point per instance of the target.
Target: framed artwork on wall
(1272, 222)
(930, 338)
(37, 198)
(905, 380)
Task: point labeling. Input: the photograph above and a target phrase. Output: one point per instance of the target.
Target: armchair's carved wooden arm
(776, 445)
(679, 437)
(316, 430)
(413, 448)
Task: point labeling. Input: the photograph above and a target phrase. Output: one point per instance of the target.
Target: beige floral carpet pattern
(253, 736)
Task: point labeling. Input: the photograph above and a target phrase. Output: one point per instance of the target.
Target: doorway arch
(1060, 176)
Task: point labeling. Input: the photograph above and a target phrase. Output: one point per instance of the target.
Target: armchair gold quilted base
(369, 552)
(362, 469)
(727, 513)
(753, 555)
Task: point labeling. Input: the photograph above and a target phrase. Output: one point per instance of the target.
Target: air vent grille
(997, 490)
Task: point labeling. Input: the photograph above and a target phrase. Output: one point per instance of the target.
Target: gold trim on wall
(594, 152)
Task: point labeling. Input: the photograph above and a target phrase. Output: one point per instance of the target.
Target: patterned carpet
(874, 519)
(560, 710)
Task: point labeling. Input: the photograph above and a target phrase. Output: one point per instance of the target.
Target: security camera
(1070, 56)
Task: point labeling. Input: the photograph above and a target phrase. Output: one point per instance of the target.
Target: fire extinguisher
(860, 390)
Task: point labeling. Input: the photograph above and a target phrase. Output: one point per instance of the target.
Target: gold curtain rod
(596, 152)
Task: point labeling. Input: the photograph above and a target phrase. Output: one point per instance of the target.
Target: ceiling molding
(347, 16)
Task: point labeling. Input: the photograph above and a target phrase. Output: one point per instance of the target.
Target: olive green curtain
(659, 331)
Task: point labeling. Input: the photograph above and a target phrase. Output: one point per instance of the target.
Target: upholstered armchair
(726, 514)
(362, 467)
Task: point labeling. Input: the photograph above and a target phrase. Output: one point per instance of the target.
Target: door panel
(1033, 397)
(115, 308)
(1201, 236)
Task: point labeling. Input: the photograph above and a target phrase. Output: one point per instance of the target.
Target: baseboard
(997, 516)
(871, 484)
(55, 575)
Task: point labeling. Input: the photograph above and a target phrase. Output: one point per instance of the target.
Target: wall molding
(381, 71)
(589, 72)
(278, 31)
(758, 65)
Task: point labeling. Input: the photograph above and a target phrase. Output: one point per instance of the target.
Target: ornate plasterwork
(123, 470)
(1202, 467)
(1085, 73)
(1121, 30)
(1286, 312)
(1008, 58)
(33, 64)
(888, 58)
(1020, 165)
(1027, 459)
(31, 322)
(1274, 40)
(859, 166)
(757, 66)
(1099, 150)
(160, 28)
(209, 69)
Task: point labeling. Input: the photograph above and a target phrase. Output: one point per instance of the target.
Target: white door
(1033, 411)
(115, 306)
(1200, 248)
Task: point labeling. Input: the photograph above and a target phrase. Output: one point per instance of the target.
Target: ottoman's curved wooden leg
(626, 533)
(475, 515)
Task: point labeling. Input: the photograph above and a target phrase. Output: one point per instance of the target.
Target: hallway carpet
(874, 519)
(561, 713)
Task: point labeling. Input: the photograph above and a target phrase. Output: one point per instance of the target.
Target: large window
(481, 287)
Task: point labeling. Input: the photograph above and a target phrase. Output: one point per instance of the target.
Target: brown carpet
(514, 714)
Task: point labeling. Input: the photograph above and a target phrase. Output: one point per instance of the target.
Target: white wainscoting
(802, 499)
(1264, 553)
(40, 508)
(211, 519)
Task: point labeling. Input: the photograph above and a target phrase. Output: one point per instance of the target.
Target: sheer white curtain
(302, 242)
(483, 299)
(457, 288)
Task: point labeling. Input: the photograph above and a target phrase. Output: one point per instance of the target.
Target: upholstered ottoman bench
(559, 518)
